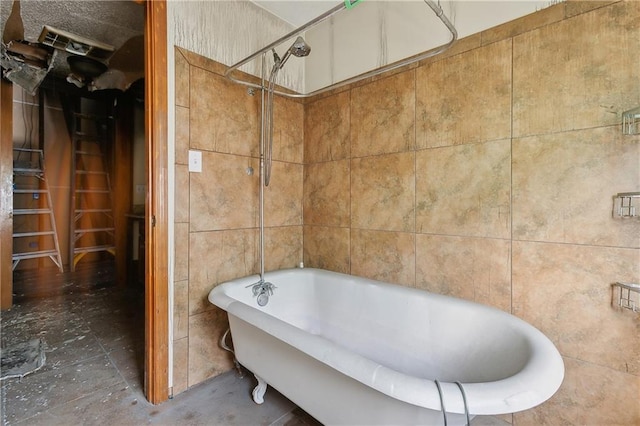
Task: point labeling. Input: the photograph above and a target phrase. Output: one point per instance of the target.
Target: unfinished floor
(94, 344)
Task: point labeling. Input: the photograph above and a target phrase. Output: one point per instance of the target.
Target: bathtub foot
(259, 391)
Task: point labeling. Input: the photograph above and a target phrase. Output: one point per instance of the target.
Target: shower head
(299, 48)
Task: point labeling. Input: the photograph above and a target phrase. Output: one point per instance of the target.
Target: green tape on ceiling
(351, 3)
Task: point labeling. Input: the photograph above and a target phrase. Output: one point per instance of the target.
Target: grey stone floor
(93, 375)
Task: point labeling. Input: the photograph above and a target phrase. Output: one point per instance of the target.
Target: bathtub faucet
(262, 290)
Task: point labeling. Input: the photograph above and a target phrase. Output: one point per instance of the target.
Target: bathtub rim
(502, 396)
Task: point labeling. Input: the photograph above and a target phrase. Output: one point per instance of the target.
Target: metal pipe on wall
(398, 64)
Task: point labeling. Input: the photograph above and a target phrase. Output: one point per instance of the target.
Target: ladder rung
(34, 254)
(89, 230)
(88, 153)
(93, 211)
(32, 234)
(27, 150)
(89, 116)
(81, 133)
(80, 213)
(94, 140)
(29, 191)
(93, 249)
(93, 191)
(31, 211)
(27, 171)
(90, 172)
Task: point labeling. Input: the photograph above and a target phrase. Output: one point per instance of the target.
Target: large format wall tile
(180, 309)
(182, 79)
(574, 74)
(327, 248)
(283, 247)
(283, 196)
(565, 291)
(216, 212)
(546, 16)
(288, 132)
(326, 193)
(577, 73)
(180, 365)
(199, 61)
(464, 190)
(576, 7)
(181, 250)
(182, 135)
(383, 192)
(181, 189)
(476, 269)
(223, 117)
(224, 196)
(206, 358)
(216, 257)
(326, 129)
(590, 395)
(465, 98)
(564, 183)
(383, 116)
(384, 256)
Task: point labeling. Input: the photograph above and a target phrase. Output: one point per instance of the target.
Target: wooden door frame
(156, 211)
(6, 194)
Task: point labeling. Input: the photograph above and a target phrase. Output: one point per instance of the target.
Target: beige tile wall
(216, 215)
(488, 173)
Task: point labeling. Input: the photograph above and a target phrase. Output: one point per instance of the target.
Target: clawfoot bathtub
(349, 350)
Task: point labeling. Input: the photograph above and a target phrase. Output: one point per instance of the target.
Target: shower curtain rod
(389, 67)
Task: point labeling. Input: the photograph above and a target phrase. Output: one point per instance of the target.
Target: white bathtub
(349, 350)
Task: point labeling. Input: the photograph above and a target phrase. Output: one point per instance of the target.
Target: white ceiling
(114, 22)
(111, 22)
(296, 13)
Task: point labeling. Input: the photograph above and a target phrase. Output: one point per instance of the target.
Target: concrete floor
(93, 374)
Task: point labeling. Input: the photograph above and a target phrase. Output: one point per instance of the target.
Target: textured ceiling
(110, 22)
(114, 22)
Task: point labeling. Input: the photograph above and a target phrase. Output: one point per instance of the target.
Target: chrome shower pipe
(399, 64)
(268, 116)
(263, 289)
(262, 172)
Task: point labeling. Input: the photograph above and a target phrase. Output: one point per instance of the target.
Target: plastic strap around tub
(464, 399)
(444, 411)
